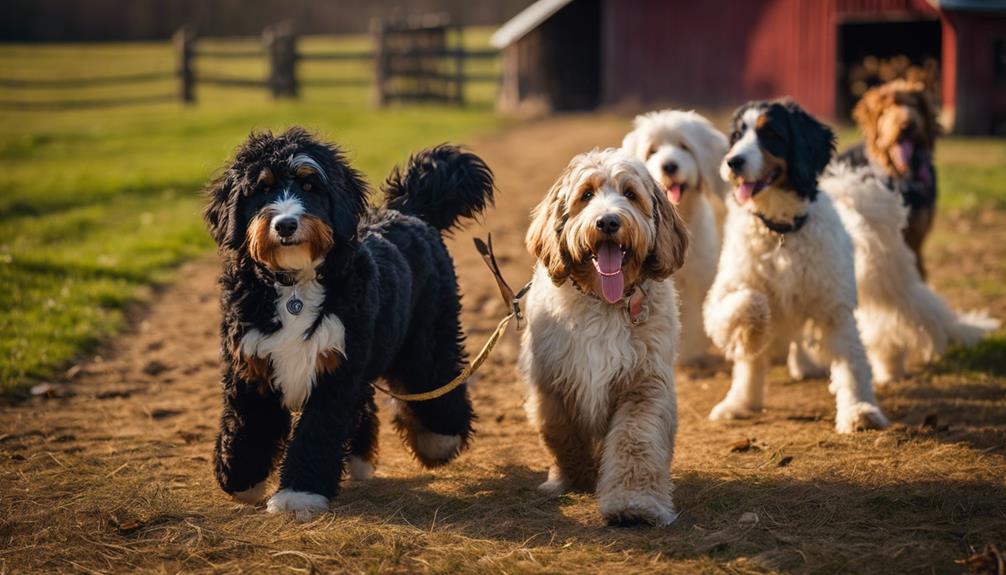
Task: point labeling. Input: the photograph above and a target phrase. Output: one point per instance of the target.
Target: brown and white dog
(602, 335)
(899, 126)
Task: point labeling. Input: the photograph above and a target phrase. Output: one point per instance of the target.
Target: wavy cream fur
(601, 390)
(692, 143)
(901, 319)
(766, 291)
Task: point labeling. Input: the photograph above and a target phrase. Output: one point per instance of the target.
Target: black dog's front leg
(315, 457)
(253, 429)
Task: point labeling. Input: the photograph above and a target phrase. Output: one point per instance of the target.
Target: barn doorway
(572, 55)
(872, 53)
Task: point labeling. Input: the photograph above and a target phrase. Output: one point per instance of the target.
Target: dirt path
(116, 476)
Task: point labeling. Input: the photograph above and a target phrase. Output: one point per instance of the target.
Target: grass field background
(97, 204)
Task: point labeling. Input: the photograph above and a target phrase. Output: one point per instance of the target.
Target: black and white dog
(321, 295)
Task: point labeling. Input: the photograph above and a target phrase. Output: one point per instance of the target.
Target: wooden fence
(421, 59)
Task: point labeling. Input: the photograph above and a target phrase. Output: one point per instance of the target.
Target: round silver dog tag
(294, 305)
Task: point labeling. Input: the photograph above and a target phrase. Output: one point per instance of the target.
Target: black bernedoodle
(321, 294)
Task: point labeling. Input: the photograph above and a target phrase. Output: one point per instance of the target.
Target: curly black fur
(440, 185)
(388, 278)
(791, 133)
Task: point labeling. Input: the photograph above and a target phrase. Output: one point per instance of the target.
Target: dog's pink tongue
(903, 154)
(744, 192)
(674, 193)
(609, 266)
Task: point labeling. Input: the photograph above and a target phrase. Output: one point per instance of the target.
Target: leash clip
(509, 297)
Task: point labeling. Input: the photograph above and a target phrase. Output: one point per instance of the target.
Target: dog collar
(783, 227)
(636, 308)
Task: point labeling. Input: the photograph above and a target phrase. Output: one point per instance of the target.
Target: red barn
(568, 54)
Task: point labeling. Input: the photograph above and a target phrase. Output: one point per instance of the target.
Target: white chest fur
(294, 357)
(581, 348)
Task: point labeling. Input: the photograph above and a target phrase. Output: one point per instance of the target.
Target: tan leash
(512, 299)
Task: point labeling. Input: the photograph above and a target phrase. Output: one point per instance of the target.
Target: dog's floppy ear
(811, 146)
(671, 241)
(709, 147)
(631, 140)
(221, 221)
(544, 234)
(866, 113)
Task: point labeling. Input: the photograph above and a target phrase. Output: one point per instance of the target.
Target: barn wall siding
(722, 52)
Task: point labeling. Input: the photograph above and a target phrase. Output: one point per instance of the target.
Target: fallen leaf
(743, 446)
(989, 562)
(785, 461)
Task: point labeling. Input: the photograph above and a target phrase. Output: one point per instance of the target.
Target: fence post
(459, 67)
(184, 41)
(281, 47)
(377, 31)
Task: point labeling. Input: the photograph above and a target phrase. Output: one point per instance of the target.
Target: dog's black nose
(736, 163)
(609, 224)
(670, 168)
(285, 227)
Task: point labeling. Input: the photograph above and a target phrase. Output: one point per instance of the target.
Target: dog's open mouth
(674, 191)
(747, 190)
(287, 242)
(608, 259)
(901, 154)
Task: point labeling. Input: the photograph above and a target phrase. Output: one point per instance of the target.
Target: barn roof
(528, 19)
(974, 5)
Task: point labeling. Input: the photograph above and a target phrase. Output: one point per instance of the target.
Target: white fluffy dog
(901, 320)
(682, 152)
(602, 334)
(787, 261)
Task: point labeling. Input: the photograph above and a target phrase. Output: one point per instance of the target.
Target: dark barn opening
(573, 56)
(871, 53)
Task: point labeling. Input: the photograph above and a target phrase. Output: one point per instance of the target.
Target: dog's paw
(729, 409)
(252, 495)
(302, 504)
(626, 508)
(436, 449)
(553, 487)
(860, 417)
(360, 468)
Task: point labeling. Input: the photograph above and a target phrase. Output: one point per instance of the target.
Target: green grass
(970, 171)
(97, 204)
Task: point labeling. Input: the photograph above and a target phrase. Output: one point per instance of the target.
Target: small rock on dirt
(748, 519)
(155, 367)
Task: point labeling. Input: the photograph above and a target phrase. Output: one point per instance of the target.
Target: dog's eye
(262, 183)
(587, 195)
(629, 193)
(684, 147)
(652, 150)
(307, 186)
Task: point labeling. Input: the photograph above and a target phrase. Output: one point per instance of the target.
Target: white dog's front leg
(634, 484)
(747, 390)
(738, 322)
(852, 381)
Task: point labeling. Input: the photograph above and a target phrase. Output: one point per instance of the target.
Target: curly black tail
(440, 185)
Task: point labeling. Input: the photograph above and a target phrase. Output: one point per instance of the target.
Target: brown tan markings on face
(264, 248)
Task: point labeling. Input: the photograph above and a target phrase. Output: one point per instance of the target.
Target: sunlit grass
(96, 204)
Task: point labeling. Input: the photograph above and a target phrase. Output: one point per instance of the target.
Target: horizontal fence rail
(420, 59)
